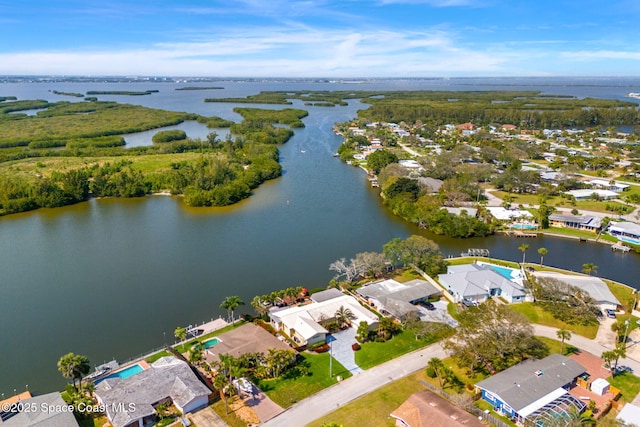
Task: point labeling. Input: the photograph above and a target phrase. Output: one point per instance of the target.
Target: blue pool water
(503, 271)
(210, 343)
(629, 240)
(125, 373)
(524, 226)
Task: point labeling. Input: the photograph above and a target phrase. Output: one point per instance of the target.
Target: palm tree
(195, 354)
(343, 316)
(542, 252)
(259, 306)
(74, 367)
(230, 304)
(180, 333)
(523, 248)
(563, 335)
(220, 383)
(589, 268)
(438, 367)
(609, 357)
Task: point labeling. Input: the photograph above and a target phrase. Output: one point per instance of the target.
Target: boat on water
(634, 95)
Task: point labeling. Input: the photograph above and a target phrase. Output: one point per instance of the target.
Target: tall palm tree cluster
(283, 297)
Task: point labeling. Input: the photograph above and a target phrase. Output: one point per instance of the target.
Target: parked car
(611, 314)
(429, 306)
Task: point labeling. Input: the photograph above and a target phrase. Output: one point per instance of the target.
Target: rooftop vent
(538, 373)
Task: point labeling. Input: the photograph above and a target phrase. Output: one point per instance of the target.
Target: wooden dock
(620, 247)
(521, 234)
(475, 252)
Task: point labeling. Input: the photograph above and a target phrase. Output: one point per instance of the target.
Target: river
(113, 278)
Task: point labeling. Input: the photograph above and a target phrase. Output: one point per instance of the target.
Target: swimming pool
(519, 226)
(125, 373)
(508, 273)
(210, 343)
(629, 240)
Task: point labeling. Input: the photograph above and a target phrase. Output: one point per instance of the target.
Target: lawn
(555, 346)
(470, 260)
(375, 353)
(536, 314)
(373, 409)
(287, 391)
(628, 384)
(231, 419)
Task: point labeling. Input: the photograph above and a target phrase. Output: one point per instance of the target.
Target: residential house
(609, 185)
(625, 231)
(535, 392)
(595, 287)
(589, 193)
(248, 338)
(432, 184)
(473, 212)
(629, 415)
(397, 299)
(427, 409)
(578, 222)
(132, 401)
(34, 411)
(303, 324)
(502, 214)
(479, 282)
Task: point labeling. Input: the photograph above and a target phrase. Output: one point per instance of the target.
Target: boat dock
(521, 234)
(475, 252)
(620, 247)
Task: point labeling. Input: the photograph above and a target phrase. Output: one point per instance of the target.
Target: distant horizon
(329, 78)
(330, 38)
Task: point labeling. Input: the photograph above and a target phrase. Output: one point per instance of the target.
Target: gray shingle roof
(595, 287)
(519, 386)
(397, 297)
(168, 377)
(473, 280)
(39, 418)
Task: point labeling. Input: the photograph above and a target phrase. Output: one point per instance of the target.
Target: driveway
(440, 314)
(342, 351)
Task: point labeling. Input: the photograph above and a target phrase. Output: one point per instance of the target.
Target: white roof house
(588, 192)
(302, 323)
(595, 287)
(624, 229)
(609, 185)
(475, 282)
(129, 401)
(503, 214)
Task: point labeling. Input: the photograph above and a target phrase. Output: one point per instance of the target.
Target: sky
(320, 38)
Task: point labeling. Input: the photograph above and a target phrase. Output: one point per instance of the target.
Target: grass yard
(628, 384)
(375, 353)
(231, 419)
(373, 409)
(536, 314)
(555, 346)
(287, 391)
(470, 260)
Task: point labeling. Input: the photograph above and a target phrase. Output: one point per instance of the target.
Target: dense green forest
(527, 109)
(69, 152)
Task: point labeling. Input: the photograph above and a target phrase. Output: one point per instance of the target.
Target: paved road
(329, 399)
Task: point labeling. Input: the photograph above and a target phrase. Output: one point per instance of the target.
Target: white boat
(634, 95)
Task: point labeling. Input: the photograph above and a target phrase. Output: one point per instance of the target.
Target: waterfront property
(578, 222)
(248, 338)
(168, 380)
(34, 411)
(427, 408)
(595, 287)
(502, 214)
(127, 372)
(535, 392)
(303, 323)
(625, 231)
(397, 299)
(478, 282)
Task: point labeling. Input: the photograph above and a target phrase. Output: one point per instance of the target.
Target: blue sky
(321, 38)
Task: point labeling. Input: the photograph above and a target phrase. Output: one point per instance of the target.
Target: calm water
(113, 278)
